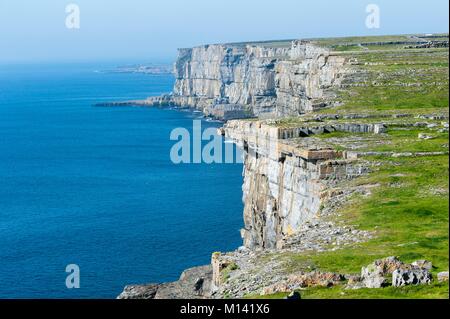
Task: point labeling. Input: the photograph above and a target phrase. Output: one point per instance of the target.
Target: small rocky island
(346, 166)
(155, 69)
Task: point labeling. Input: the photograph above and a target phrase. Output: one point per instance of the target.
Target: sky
(152, 30)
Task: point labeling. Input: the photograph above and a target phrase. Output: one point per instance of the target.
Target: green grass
(406, 140)
(433, 291)
(408, 214)
(397, 140)
(331, 42)
(344, 48)
(225, 273)
(401, 80)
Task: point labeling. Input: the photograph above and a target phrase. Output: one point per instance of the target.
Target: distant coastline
(154, 69)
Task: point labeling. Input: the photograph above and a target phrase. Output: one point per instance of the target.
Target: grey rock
(373, 278)
(139, 291)
(380, 128)
(375, 274)
(263, 81)
(424, 136)
(194, 283)
(442, 276)
(423, 264)
(414, 276)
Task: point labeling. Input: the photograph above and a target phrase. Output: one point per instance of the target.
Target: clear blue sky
(152, 29)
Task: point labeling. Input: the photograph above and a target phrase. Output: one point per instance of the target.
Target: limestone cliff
(255, 80)
(284, 179)
(297, 176)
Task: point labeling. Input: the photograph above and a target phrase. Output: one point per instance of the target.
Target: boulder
(442, 276)
(424, 136)
(414, 276)
(372, 277)
(375, 274)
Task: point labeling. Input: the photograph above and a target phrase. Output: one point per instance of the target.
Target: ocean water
(95, 186)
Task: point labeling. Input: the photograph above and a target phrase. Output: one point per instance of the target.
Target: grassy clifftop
(403, 84)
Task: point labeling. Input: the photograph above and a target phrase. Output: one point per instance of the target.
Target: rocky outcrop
(257, 80)
(376, 275)
(139, 292)
(392, 271)
(194, 283)
(414, 276)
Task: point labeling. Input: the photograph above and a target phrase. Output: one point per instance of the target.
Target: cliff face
(297, 184)
(256, 80)
(285, 180)
(234, 81)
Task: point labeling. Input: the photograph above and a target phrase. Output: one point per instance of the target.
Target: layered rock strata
(284, 180)
(235, 81)
(257, 80)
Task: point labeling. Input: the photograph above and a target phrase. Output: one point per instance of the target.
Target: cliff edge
(346, 162)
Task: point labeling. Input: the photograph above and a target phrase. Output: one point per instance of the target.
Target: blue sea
(95, 186)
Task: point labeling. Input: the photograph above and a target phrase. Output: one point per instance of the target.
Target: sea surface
(95, 186)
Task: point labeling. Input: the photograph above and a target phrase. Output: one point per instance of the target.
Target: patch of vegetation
(397, 80)
(406, 140)
(397, 140)
(345, 48)
(225, 272)
(432, 291)
(333, 42)
(410, 222)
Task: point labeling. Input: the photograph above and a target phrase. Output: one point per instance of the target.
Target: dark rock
(295, 295)
(139, 292)
(194, 283)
